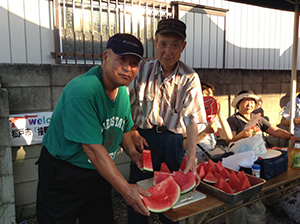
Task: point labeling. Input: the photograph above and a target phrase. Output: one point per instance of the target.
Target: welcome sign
(28, 129)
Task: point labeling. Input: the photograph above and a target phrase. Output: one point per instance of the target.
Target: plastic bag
(290, 203)
(254, 143)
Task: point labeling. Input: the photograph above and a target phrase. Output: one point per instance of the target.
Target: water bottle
(296, 155)
(256, 170)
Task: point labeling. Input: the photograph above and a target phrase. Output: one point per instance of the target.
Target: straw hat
(246, 94)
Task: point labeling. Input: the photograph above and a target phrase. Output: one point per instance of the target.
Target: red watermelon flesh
(218, 176)
(146, 161)
(233, 180)
(163, 196)
(159, 176)
(183, 164)
(243, 185)
(201, 171)
(224, 173)
(186, 181)
(164, 168)
(201, 164)
(224, 186)
(219, 167)
(241, 175)
(210, 178)
(208, 168)
(212, 164)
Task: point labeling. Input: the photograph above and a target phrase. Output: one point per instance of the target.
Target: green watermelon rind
(183, 186)
(143, 166)
(189, 189)
(168, 207)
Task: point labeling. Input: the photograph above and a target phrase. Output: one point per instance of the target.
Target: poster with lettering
(28, 129)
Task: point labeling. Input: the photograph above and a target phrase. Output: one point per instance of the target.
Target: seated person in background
(285, 119)
(207, 139)
(246, 101)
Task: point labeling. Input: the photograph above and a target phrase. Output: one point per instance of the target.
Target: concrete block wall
(29, 89)
(271, 85)
(7, 199)
(36, 88)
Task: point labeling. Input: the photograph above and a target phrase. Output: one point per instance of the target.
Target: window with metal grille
(83, 27)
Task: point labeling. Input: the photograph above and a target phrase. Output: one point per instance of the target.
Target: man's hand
(191, 166)
(138, 140)
(133, 198)
(136, 159)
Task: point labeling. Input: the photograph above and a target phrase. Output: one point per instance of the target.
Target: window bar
(92, 26)
(117, 17)
(159, 11)
(153, 25)
(83, 31)
(100, 27)
(119, 20)
(108, 21)
(57, 30)
(138, 22)
(146, 27)
(74, 31)
(65, 31)
(124, 16)
(131, 22)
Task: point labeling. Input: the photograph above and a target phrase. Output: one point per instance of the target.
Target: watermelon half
(163, 196)
(186, 182)
(146, 161)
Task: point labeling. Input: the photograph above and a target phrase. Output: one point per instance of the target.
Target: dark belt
(160, 129)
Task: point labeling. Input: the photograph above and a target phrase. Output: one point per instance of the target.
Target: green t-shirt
(85, 114)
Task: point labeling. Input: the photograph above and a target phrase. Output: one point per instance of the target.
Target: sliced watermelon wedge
(210, 178)
(159, 176)
(146, 161)
(201, 171)
(183, 164)
(219, 167)
(233, 180)
(163, 196)
(241, 175)
(186, 182)
(224, 173)
(218, 176)
(212, 164)
(164, 168)
(243, 185)
(224, 186)
(208, 168)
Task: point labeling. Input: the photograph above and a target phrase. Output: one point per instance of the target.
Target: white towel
(243, 159)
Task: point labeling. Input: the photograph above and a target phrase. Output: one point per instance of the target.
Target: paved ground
(120, 214)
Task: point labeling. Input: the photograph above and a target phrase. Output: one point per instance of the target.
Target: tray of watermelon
(168, 189)
(226, 184)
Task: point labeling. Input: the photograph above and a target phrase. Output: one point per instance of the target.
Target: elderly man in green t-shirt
(91, 119)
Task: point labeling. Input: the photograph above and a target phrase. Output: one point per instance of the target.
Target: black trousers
(66, 193)
(171, 146)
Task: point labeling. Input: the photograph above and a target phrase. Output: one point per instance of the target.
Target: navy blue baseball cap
(124, 43)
